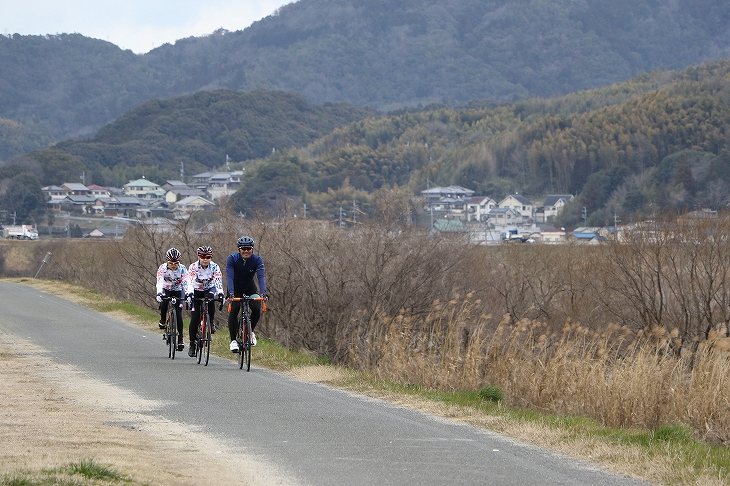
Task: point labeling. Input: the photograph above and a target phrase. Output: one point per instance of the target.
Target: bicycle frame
(170, 334)
(203, 335)
(243, 335)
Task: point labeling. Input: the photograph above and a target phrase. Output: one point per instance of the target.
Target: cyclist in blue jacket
(241, 269)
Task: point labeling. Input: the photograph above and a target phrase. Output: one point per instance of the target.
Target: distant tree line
(654, 144)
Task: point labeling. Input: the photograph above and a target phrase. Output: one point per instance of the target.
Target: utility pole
(228, 163)
(585, 216)
(305, 210)
(182, 171)
(341, 211)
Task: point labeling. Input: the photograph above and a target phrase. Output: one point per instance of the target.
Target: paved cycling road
(312, 433)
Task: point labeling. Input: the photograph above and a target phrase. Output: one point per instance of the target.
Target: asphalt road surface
(314, 434)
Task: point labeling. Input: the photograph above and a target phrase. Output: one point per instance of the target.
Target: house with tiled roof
(99, 191)
(478, 207)
(447, 201)
(553, 205)
(520, 204)
(552, 235)
(504, 218)
(76, 188)
(125, 206)
(218, 184)
(590, 234)
(54, 193)
(193, 203)
(144, 189)
(84, 204)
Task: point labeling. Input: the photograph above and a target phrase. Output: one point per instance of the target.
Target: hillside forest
(655, 144)
(386, 54)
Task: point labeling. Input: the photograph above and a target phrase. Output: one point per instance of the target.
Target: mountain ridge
(386, 54)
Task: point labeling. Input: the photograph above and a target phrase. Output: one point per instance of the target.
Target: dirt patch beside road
(52, 416)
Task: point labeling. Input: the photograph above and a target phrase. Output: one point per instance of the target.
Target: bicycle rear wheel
(207, 339)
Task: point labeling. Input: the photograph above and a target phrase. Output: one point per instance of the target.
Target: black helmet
(245, 241)
(173, 255)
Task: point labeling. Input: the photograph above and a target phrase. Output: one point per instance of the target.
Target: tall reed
(633, 333)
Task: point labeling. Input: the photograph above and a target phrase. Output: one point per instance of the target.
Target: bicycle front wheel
(200, 339)
(246, 349)
(207, 339)
(172, 334)
(240, 340)
(167, 341)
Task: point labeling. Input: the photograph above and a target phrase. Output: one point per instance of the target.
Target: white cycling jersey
(208, 278)
(169, 279)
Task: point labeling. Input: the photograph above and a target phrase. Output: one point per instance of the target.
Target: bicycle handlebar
(171, 298)
(205, 300)
(248, 298)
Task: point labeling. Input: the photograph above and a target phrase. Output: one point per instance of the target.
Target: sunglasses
(205, 257)
(245, 248)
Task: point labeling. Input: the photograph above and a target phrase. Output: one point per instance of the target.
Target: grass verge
(667, 455)
(82, 473)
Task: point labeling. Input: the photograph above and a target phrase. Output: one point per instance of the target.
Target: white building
(478, 207)
(519, 204)
(144, 190)
(553, 205)
(447, 202)
(218, 184)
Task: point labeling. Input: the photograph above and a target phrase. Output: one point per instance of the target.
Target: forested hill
(656, 143)
(200, 131)
(387, 54)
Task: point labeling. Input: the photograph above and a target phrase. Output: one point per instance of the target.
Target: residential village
(515, 218)
(141, 200)
(451, 209)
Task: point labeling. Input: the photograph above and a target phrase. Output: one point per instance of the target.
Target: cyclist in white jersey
(203, 277)
(172, 282)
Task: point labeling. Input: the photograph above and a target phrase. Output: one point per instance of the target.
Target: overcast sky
(139, 25)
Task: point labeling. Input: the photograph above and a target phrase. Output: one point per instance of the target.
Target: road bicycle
(243, 335)
(170, 334)
(203, 335)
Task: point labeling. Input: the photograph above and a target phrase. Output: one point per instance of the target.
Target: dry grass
(658, 462)
(633, 334)
(614, 376)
